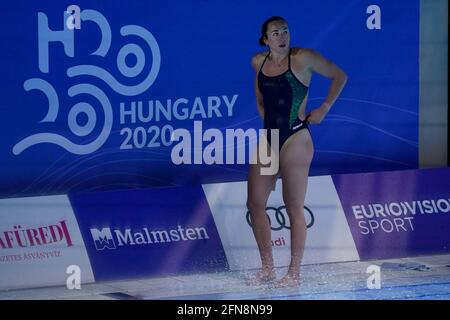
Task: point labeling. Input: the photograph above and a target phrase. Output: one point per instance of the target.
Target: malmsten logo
(110, 239)
(21, 237)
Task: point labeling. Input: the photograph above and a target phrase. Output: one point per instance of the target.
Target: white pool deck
(331, 281)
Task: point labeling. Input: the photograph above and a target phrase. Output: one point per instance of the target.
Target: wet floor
(426, 277)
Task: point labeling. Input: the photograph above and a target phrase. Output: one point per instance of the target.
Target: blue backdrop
(94, 108)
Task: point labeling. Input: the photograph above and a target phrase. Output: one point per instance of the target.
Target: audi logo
(280, 219)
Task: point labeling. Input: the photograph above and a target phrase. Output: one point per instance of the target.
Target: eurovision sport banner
(207, 228)
(395, 214)
(96, 95)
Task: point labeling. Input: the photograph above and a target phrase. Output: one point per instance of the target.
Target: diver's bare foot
(262, 277)
(288, 281)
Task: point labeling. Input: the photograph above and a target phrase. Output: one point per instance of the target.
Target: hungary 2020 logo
(66, 37)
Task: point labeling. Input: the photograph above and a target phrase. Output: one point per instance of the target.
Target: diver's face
(277, 36)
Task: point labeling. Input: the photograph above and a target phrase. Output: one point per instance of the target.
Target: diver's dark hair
(264, 28)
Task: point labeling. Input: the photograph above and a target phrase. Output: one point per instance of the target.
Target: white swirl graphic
(81, 107)
(66, 37)
(50, 92)
(105, 29)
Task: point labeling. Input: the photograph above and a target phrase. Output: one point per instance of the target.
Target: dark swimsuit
(282, 97)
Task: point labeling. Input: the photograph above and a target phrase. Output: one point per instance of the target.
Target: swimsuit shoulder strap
(289, 59)
(264, 62)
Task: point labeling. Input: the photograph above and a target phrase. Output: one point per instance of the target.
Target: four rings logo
(279, 219)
